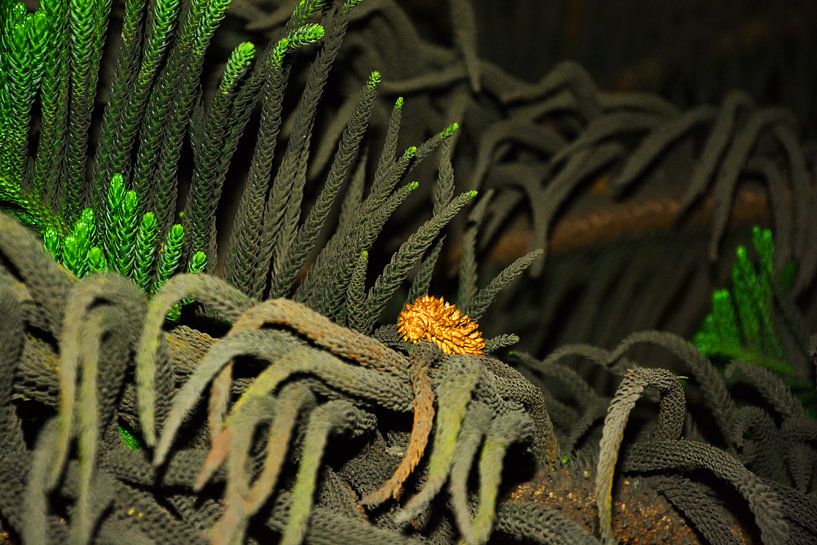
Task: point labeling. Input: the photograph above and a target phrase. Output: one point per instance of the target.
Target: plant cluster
(743, 324)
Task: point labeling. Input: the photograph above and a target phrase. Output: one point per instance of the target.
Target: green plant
(742, 323)
(128, 246)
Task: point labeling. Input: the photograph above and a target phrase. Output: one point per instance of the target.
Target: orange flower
(432, 319)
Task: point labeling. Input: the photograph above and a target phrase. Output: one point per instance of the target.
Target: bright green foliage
(52, 243)
(197, 263)
(23, 38)
(129, 248)
(740, 325)
(96, 260)
(76, 246)
(23, 44)
(450, 130)
(237, 65)
(122, 228)
(89, 219)
(115, 197)
(55, 53)
(128, 438)
(150, 110)
(170, 256)
(71, 255)
(27, 208)
(304, 10)
(309, 33)
(146, 240)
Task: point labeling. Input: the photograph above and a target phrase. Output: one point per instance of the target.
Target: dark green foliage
(467, 273)
(244, 261)
(114, 159)
(406, 257)
(145, 254)
(206, 184)
(422, 280)
(86, 17)
(389, 147)
(283, 207)
(53, 103)
(484, 297)
(442, 195)
(163, 185)
(356, 295)
(351, 238)
(342, 248)
(291, 259)
(132, 25)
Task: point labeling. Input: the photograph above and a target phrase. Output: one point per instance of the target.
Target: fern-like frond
(407, 256)
(161, 24)
(53, 104)
(741, 324)
(283, 207)
(133, 22)
(245, 261)
(164, 190)
(24, 38)
(290, 259)
(88, 20)
(206, 186)
(324, 287)
(170, 256)
(145, 254)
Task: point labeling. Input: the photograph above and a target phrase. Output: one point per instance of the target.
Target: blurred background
(636, 142)
(691, 51)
